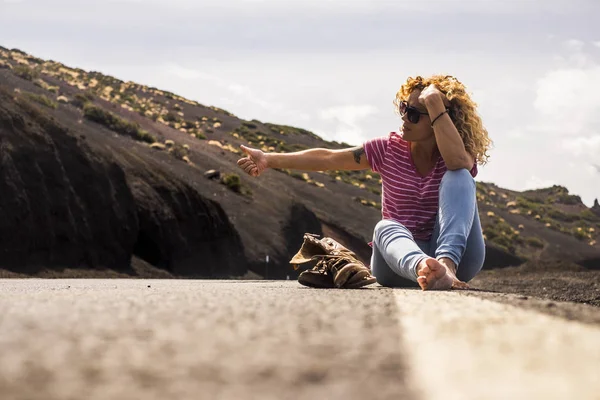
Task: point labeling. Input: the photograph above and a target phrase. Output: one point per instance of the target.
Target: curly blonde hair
(462, 111)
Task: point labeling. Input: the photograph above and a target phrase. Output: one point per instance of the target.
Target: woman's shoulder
(396, 138)
(398, 143)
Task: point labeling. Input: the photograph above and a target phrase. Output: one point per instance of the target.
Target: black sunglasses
(412, 113)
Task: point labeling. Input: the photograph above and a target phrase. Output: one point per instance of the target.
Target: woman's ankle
(451, 265)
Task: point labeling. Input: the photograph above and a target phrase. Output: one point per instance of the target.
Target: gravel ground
(194, 339)
(184, 339)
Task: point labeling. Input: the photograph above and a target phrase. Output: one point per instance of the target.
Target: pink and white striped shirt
(406, 196)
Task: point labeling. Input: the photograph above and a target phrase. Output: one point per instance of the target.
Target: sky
(334, 66)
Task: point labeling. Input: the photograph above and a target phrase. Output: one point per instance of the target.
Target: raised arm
(448, 139)
(256, 161)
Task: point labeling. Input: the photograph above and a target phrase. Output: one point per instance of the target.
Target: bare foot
(451, 270)
(433, 275)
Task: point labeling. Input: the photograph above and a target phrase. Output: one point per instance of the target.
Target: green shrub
(490, 232)
(565, 198)
(526, 204)
(5, 65)
(127, 98)
(298, 147)
(35, 60)
(178, 151)
(271, 142)
(534, 242)
(25, 72)
(556, 226)
(374, 190)
(501, 233)
(249, 125)
(41, 99)
(505, 242)
(233, 182)
(589, 215)
(41, 83)
(80, 100)
(561, 216)
(116, 124)
(296, 175)
(286, 148)
(144, 136)
(170, 117)
(200, 135)
(579, 234)
(21, 52)
(88, 95)
(220, 110)
(539, 196)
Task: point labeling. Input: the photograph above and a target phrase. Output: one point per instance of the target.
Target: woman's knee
(457, 185)
(458, 176)
(470, 267)
(385, 226)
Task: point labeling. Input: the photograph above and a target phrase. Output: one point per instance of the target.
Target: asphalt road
(190, 339)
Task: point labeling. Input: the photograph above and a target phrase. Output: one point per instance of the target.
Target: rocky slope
(67, 204)
(101, 173)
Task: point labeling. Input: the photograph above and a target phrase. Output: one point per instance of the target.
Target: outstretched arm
(256, 161)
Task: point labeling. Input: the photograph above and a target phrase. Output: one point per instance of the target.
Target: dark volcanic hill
(100, 173)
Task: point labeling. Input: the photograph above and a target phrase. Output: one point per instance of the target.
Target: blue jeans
(457, 235)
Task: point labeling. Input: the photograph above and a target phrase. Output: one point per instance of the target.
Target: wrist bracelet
(435, 119)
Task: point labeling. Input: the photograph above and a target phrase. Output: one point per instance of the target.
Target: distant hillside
(177, 156)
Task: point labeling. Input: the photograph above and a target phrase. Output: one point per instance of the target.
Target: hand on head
(255, 161)
(431, 92)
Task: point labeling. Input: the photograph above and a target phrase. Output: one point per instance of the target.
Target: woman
(430, 232)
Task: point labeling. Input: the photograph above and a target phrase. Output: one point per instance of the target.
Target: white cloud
(588, 147)
(236, 89)
(188, 73)
(568, 101)
(535, 182)
(565, 126)
(552, 132)
(348, 120)
(567, 98)
(349, 6)
(574, 45)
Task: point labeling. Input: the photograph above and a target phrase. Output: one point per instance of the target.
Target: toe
(456, 284)
(434, 265)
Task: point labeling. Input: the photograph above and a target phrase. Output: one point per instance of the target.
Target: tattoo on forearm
(358, 152)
